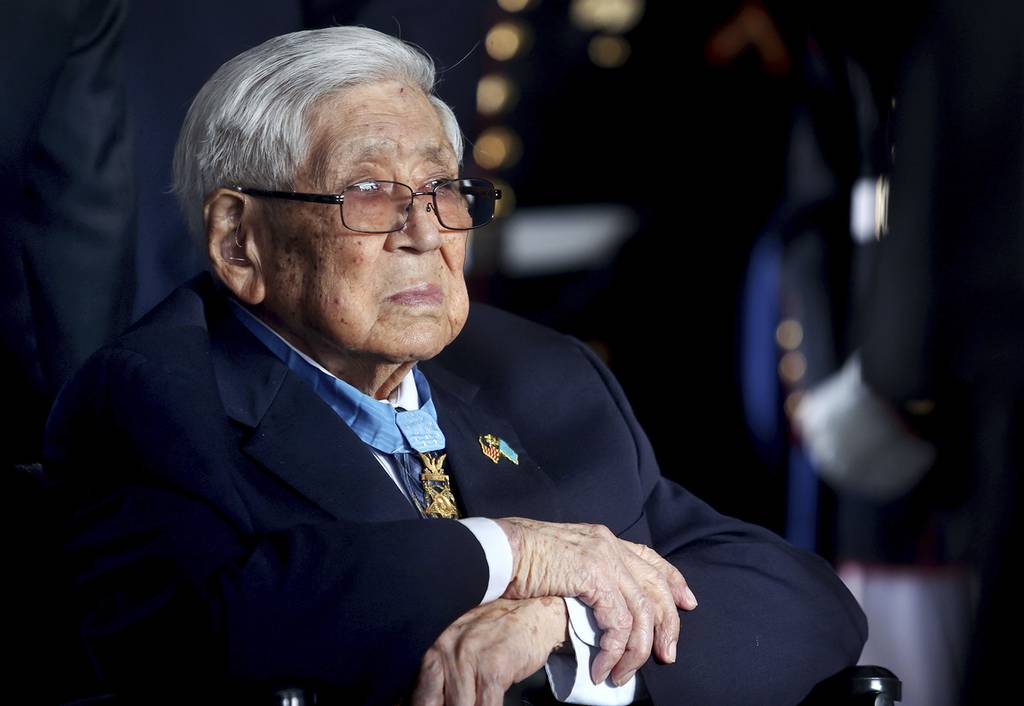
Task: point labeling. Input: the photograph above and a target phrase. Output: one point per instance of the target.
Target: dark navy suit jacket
(224, 522)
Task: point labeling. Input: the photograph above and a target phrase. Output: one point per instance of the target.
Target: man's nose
(422, 230)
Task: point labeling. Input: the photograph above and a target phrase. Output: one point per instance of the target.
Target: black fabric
(66, 201)
(225, 523)
(66, 243)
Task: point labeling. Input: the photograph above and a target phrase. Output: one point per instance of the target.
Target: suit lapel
(484, 488)
(302, 441)
(293, 433)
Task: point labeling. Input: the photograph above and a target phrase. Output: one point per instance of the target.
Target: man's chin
(419, 342)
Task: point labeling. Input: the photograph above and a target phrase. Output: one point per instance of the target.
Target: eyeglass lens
(382, 206)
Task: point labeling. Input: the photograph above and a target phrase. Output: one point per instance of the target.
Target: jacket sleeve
(772, 620)
(175, 583)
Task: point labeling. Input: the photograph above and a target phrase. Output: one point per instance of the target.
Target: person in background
(67, 235)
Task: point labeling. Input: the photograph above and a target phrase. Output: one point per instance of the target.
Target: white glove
(855, 440)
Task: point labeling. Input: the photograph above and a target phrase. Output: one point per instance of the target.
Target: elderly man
(284, 473)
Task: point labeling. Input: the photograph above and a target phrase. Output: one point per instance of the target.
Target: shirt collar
(405, 422)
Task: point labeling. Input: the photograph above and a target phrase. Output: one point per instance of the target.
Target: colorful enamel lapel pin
(494, 448)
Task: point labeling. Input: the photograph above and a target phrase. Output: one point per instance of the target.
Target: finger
(666, 626)
(614, 619)
(681, 592)
(641, 637)
(490, 694)
(663, 607)
(459, 684)
(666, 616)
(430, 683)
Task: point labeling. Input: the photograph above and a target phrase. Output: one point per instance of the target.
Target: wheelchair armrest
(864, 685)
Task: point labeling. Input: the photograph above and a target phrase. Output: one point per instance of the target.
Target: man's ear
(231, 246)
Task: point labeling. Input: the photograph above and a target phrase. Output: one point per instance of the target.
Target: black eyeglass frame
(338, 199)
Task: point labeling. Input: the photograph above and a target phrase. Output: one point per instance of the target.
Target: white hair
(249, 124)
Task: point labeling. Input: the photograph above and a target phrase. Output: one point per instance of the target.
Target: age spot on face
(335, 284)
(291, 246)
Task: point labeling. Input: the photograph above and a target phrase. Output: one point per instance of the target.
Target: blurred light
(789, 334)
(514, 5)
(507, 39)
(547, 240)
(608, 52)
(881, 207)
(506, 205)
(753, 27)
(792, 367)
(495, 94)
(792, 402)
(615, 16)
(920, 407)
(497, 147)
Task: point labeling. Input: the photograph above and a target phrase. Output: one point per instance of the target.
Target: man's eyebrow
(368, 151)
(437, 152)
(440, 154)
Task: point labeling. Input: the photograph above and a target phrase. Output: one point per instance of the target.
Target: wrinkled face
(357, 299)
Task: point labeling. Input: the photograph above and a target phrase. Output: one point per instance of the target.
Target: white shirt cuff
(569, 675)
(497, 551)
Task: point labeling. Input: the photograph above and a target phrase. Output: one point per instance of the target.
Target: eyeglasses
(383, 206)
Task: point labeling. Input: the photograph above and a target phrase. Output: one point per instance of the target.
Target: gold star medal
(437, 492)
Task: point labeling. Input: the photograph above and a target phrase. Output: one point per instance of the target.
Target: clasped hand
(631, 589)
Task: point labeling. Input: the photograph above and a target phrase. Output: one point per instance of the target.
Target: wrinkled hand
(487, 650)
(631, 589)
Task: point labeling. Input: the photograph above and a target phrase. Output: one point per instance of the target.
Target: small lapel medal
(494, 448)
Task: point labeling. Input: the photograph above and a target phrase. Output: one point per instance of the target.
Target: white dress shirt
(568, 674)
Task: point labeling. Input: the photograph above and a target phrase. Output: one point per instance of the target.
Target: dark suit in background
(226, 521)
(946, 321)
(66, 201)
(66, 276)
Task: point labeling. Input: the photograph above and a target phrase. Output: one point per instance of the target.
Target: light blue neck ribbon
(382, 426)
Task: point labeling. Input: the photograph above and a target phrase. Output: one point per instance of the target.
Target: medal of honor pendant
(437, 492)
